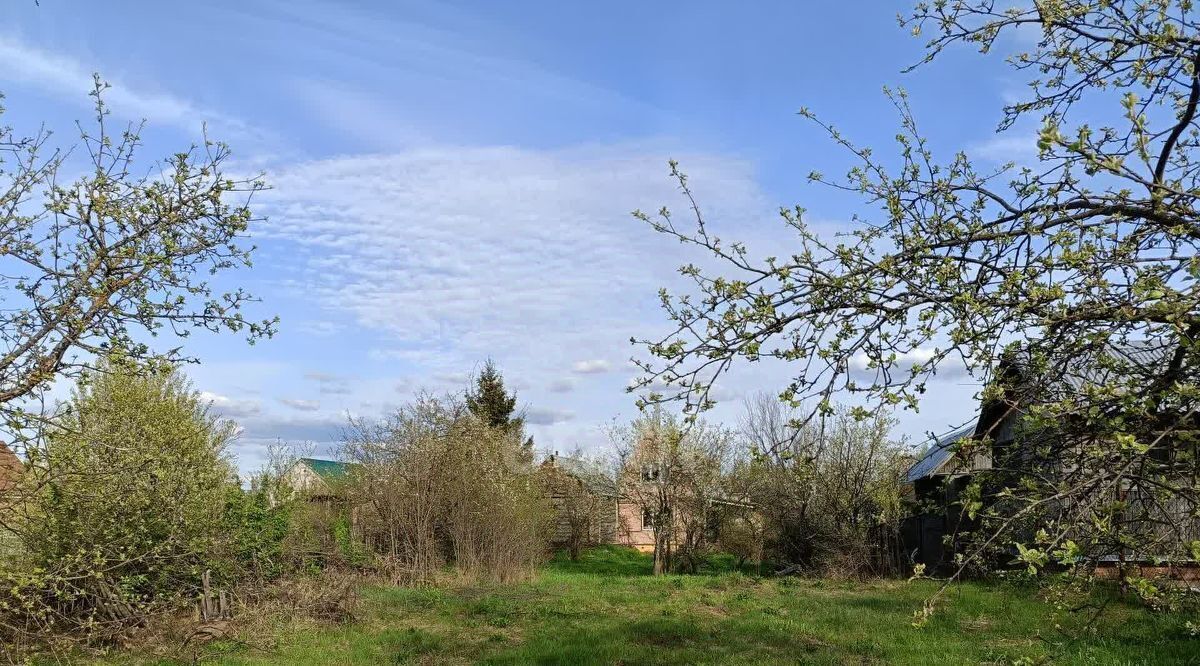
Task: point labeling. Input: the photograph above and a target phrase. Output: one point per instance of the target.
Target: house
(619, 514)
(316, 479)
(938, 479)
(10, 468)
(932, 535)
(585, 500)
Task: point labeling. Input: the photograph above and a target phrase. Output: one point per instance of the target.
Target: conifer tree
(491, 402)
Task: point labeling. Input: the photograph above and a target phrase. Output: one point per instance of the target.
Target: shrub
(675, 473)
(830, 492)
(256, 529)
(123, 507)
(434, 484)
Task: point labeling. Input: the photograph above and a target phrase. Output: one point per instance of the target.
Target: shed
(317, 478)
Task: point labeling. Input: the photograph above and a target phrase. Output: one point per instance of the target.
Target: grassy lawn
(607, 609)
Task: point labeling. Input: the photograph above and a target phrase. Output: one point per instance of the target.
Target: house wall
(10, 468)
(603, 523)
(923, 536)
(301, 478)
(603, 519)
(630, 530)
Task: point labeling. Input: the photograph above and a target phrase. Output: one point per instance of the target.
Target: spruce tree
(490, 401)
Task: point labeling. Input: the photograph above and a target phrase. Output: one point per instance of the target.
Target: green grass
(607, 609)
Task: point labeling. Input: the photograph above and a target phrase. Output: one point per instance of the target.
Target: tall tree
(491, 402)
(1088, 250)
(108, 261)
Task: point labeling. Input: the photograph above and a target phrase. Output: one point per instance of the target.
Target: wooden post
(216, 605)
(205, 599)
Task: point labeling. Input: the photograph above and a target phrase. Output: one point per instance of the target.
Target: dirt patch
(980, 623)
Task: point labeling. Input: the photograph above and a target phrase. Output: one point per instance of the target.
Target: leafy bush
(257, 529)
(126, 501)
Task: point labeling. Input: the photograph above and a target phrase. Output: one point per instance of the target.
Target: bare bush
(435, 485)
(582, 494)
(331, 598)
(830, 491)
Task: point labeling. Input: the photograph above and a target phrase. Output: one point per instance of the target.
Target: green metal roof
(330, 470)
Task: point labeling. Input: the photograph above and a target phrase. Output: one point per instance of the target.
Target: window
(647, 519)
(649, 472)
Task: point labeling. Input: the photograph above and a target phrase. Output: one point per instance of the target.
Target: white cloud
(301, 405)
(320, 329)
(591, 367)
(485, 248)
(322, 377)
(329, 384)
(904, 360)
(230, 407)
(455, 379)
(454, 255)
(1013, 146)
(655, 386)
(950, 367)
(718, 392)
(294, 427)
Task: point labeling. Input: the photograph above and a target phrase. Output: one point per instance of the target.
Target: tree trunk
(662, 551)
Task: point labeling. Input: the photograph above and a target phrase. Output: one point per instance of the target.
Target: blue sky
(453, 180)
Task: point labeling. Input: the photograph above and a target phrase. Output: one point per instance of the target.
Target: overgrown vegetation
(131, 504)
(608, 608)
(439, 485)
(676, 477)
(831, 494)
(1066, 286)
(1070, 288)
(127, 497)
(128, 502)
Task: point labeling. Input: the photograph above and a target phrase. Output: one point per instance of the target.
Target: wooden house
(585, 499)
(939, 477)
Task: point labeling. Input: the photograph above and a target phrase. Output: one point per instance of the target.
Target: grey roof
(593, 477)
(1110, 363)
(939, 454)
